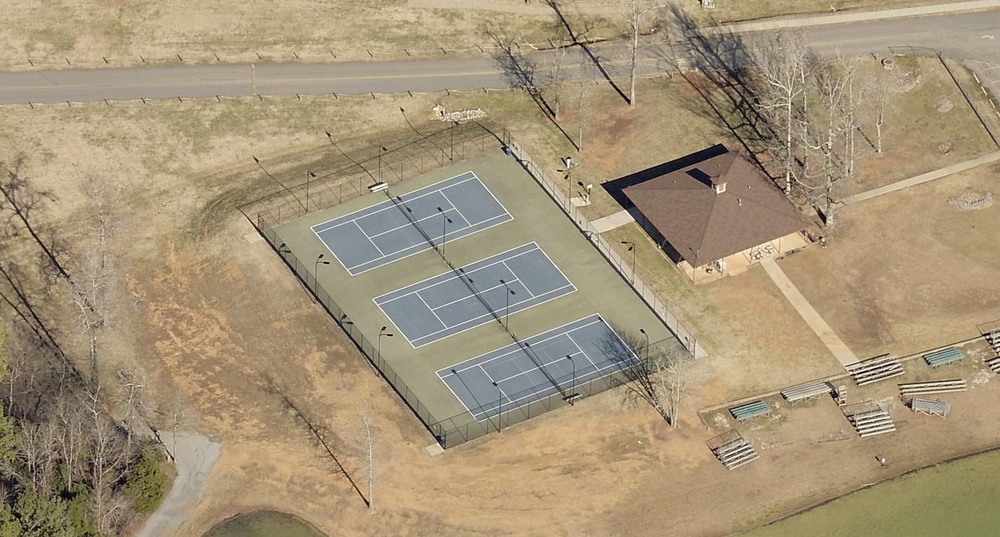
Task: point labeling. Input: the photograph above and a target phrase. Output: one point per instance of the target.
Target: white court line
(597, 373)
(454, 277)
(428, 309)
(466, 407)
(491, 195)
(431, 189)
(466, 297)
(516, 348)
(476, 325)
(410, 224)
(579, 348)
(497, 382)
(459, 211)
(423, 246)
(369, 239)
(510, 270)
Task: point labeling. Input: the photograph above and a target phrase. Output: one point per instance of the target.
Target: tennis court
(556, 361)
(484, 291)
(384, 233)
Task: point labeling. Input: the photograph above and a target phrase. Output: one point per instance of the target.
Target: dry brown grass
(742, 10)
(88, 31)
(927, 128)
(217, 315)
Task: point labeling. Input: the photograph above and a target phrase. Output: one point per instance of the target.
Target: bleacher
(994, 365)
(944, 356)
(993, 338)
(806, 391)
(871, 421)
(732, 450)
(876, 369)
(910, 389)
(750, 411)
(930, 407)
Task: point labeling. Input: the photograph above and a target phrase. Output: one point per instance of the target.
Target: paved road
(971, 37)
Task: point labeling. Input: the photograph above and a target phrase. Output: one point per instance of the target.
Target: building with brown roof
(717, 215)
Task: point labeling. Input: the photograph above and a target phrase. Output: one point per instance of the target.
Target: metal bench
(930, 407)
(935, 386)
(874, 370)
(945, 356)
(750, 411)
(806, 391)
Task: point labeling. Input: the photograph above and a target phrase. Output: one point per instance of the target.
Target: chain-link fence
(624, 269)
(411, 160)
(455, 142)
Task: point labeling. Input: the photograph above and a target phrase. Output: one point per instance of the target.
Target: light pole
(381, 333)
(499, 406)
(572, 386)
(646, 348)
(309, 175)
(444, 228)
(319, 261)
(381, 148)
(506, 313)
(631, 248)
(569, 188)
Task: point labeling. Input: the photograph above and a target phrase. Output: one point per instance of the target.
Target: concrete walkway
(610, 222)
(862, 16)
(925, 178)
(808, 313)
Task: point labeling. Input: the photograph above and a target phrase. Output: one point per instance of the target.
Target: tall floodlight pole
(381, 148)
(499, 406)
(444, 228)
(572, 386)
(631, 248)
(319, 261)
(309, 175)
(506, 313)
(382, 333)
(646, 348)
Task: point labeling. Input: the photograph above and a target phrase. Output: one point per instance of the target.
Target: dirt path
(195, 455)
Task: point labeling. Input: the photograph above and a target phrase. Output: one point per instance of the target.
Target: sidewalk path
(194, 455)
(610, 222)
(809, 315)
(925, 178)
(863, 16)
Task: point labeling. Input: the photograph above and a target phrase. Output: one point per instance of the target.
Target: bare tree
(880, 89)
(850, 104)
(633, 14)
(832, 86)
(784, 64)
(656, 374)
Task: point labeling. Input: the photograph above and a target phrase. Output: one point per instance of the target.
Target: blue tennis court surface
(383, 233)
(509, 377)
(445, 305)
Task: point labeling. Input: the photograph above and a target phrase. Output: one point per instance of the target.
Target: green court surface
(599, 289)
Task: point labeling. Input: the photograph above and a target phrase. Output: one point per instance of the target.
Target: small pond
(264, 524)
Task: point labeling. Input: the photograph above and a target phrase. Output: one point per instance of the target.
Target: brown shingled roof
(702, 225)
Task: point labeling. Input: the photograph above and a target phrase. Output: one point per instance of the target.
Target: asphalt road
(970, 37)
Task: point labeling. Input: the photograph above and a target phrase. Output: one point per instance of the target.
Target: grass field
(216, 317)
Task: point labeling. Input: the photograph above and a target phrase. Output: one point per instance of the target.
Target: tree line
(73, 457)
